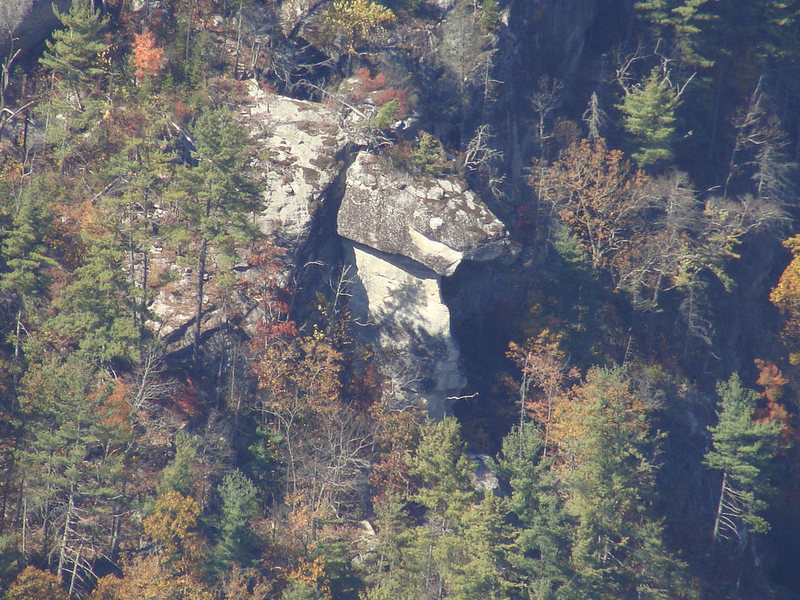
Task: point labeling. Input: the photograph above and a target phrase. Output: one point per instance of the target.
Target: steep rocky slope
(398, 235)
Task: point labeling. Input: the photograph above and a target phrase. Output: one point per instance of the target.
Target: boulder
(399, 233)
(304, 150)
(436, 222)
(486, 480)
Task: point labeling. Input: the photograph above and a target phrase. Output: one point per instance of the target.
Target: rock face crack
(303, 156)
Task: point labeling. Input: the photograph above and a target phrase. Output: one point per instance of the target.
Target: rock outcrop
(301, 147)
(305, 150)
(400, 234)
(403, 234)
(399, 304)
(31, 21)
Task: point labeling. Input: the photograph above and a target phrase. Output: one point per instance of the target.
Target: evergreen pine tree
(476, 563)
(741, 451)
(95, 311)
(682, 24)
(216, 199)
(74, 462)
(141, 167)
(541, 557)
(427, 154)
(75, 58)
(617, 547)
(490, 14)
(462, 550)
(26, 255)
(239, 505)
(390, 574)
(74, 55)
(445, 472)
(178, 475)
(23, 249)
(649, 120)
(298, 590)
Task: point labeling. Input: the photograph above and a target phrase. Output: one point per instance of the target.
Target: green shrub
(428, 154)
(490, 16)
(387, 114)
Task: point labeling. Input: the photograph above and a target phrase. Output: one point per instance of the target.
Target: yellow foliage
(356, 21)
(173, 526)
(301, 379)
(786, 297)
(107, 589)
(147, 579)
(33, 584)
(245, 584)
(312, 574)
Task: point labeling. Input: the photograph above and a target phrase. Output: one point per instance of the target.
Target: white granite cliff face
(400, 234)
(399, 302)
(299, 142)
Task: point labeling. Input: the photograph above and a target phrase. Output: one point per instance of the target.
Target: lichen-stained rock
(435, 221)
(304, 147)
(403, 233)
(301, 148)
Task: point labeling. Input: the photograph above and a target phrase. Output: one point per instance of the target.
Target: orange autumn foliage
(301, 378)
(396, 434)
(545, 368)
(147, 578)
(146, 57)
(600, 196)
(187, 399)
(772, 380)
(116, 412)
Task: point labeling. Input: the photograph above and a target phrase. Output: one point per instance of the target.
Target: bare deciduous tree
(594, 117)
(545, 100)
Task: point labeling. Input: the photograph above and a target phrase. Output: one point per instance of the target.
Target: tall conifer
(741, 452)
(649, 120)
(216, 198)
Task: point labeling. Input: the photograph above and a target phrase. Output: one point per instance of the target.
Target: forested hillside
(399, 299)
